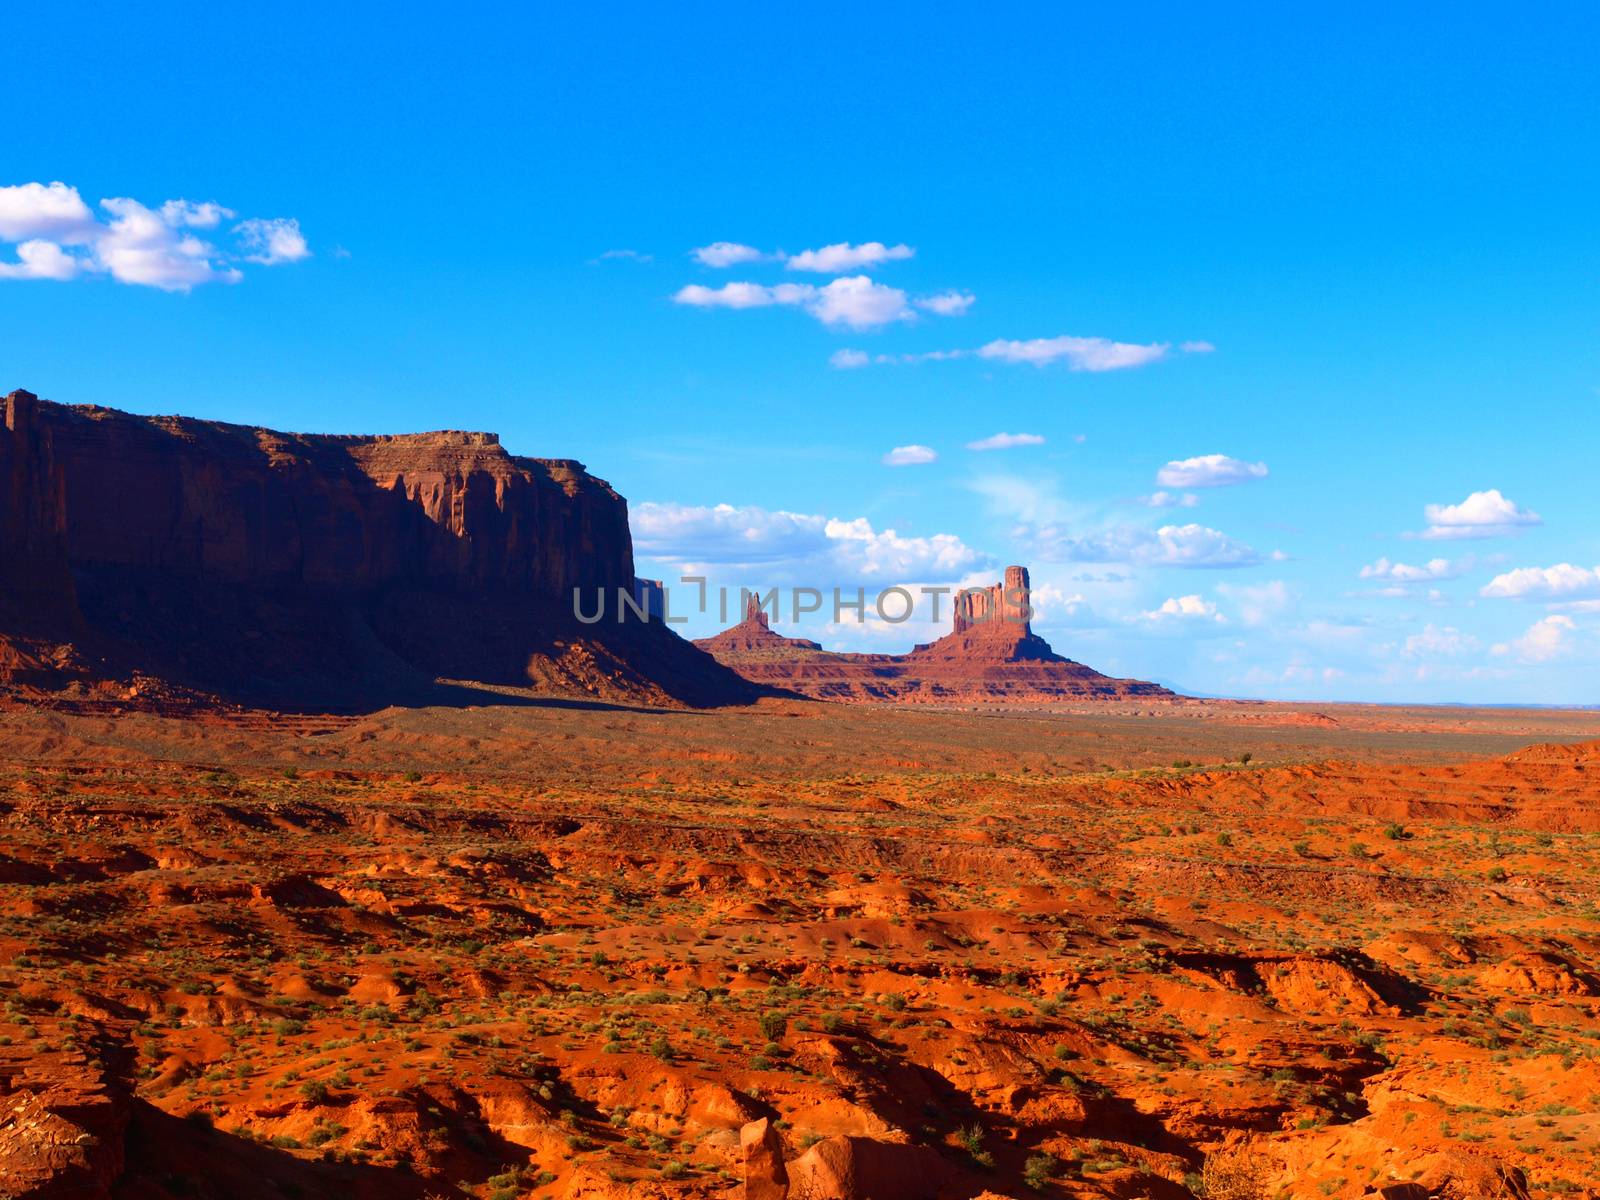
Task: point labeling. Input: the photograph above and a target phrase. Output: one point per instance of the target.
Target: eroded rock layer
(302, 568)
(992, 654)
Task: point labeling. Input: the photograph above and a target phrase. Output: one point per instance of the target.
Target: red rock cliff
(289, 553)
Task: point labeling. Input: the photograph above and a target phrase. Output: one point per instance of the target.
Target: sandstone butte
(990, 655)
(164, 556)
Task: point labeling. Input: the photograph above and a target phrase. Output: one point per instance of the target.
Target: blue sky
(1380, 219)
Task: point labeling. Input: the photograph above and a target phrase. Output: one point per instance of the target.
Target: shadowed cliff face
(236, 558)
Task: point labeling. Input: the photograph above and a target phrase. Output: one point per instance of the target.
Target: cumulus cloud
(822, 551)
(1006, 441)
(1185, 608)
(854, 302)
(1079, 353)
(1480, 515)
(857, 302)
(947, 304)
(726, 254)
(51, 212)
(1209, 470)
(58, 237)
(1434, 568)
(142, 247)
(743, 295)
(884, 554)
(1546, 639)
(745, 536)
(909, 456)
(272, 242)
(842, 256)
(183, 214)
(39, 259)
(1560, 582)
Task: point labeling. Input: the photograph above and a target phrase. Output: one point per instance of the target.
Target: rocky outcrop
(63, 1113)
(860, 1168)
(990, 655)
(764, 1175)
(1009, 601)
(303, 566)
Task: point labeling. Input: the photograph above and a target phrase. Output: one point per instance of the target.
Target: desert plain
(528, 947)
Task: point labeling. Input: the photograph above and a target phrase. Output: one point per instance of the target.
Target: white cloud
(274, 241)
(1080, 353)
(726, 254)
(1560, 582)
(54, 213)
(1546, 639)
(947, 304)
(821, 551)
(1438, 642)
(1005, 441)
(909, 456)
(1190, 546)
(855, 302)
(1197, 347)
(1185, 608)
(181, 214)
(724, 534)
(1053, 605)
(842, 256)
(743, 295)
(58, 237)
(1169, 500)
(886, 555)
(1209, 470)
(140, 247)
(1434, 568)
(1480, 515)
(849, 360)
(1195, 545)
(39, 259)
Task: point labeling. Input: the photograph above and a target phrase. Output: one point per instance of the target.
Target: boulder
(764, 1174)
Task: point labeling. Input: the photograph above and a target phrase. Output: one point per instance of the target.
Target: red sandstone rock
(764, 1174)
(992, 654)
(62, 1119)
(859, 1168)
(319, 565)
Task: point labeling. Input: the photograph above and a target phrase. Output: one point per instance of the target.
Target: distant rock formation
(754, 636)
(315, 569)
(990, 655)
